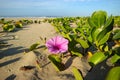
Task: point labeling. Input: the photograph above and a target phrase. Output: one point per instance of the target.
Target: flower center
(56, 47)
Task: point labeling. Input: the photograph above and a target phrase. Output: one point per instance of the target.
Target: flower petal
(61, 41)
(57, 44)
(50, 42)
(63, 48)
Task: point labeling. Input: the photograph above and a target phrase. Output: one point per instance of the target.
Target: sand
(13, 60)
(19, 41)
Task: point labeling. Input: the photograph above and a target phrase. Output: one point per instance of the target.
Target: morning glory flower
(57, 45)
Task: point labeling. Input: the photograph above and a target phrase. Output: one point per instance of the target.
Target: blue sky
(57, 7)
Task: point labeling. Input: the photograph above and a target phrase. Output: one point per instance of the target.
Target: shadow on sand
(11, 77)
(11, 51)
(9, 62)
(98, 72)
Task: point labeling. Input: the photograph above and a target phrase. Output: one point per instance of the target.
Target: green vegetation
(94, 34)
(11, 25)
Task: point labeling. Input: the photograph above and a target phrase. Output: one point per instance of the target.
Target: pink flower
(57, 45)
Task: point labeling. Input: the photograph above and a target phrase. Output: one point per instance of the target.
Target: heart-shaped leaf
(98, 19)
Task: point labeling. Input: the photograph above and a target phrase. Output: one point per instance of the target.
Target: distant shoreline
(38, 16)
(27, 17)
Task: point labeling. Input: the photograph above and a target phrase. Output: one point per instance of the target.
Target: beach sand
(13, 59)
(17, 42)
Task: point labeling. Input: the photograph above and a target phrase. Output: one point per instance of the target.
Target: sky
(38, 8)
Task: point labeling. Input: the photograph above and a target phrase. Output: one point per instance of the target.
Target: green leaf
(104, 39)
(97, 58)
(91, 23)
(83, 43)
(104, 47)
(113, 74)
(109, 27)
(67, 36)
(34, 46)
(116, 55)
(76, 54)
(96, 33)
(115, 58)
(11, 27)
(116, 36)
(63, 29)
(90, 39)
(92, 33)
(108, 22)
(98, 19)
(102, 34)
(8, 27)
(57, 62)
(77, 74)
(56, 28)
(18, 25)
